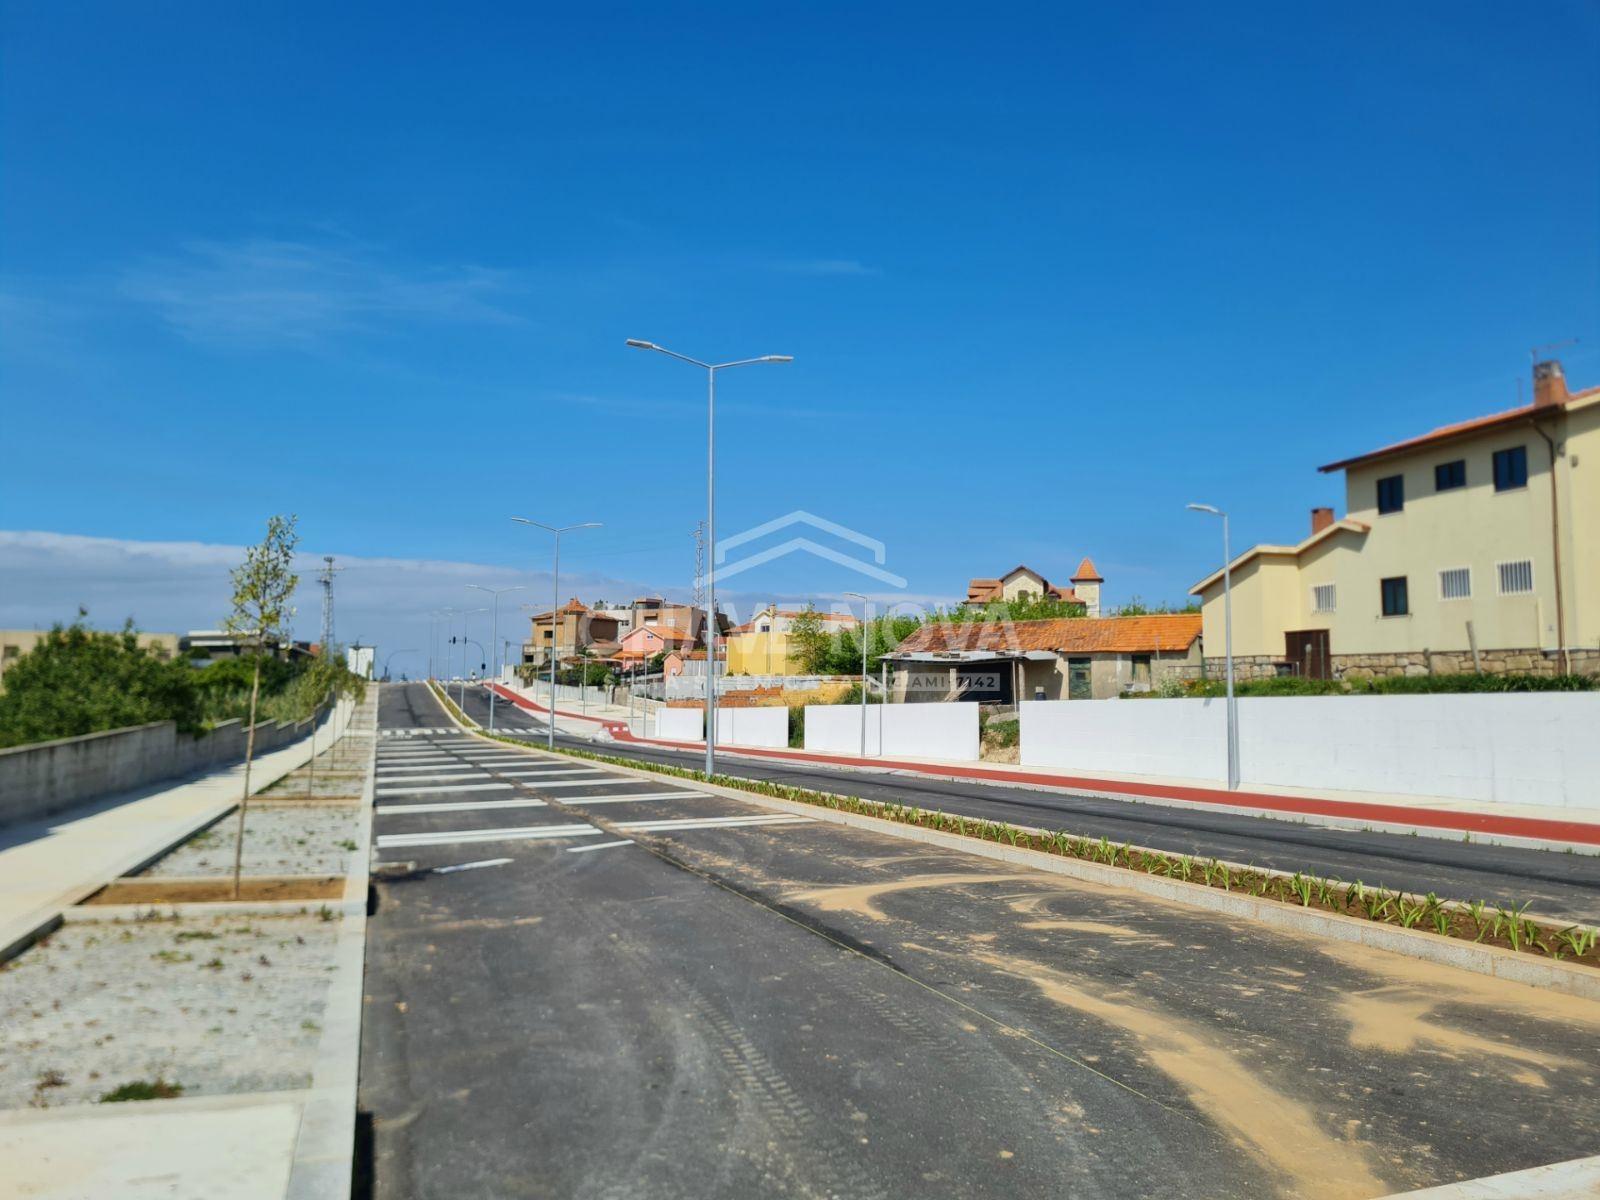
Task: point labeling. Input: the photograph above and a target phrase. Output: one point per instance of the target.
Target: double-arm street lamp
(555, 605)
(711, 370)
(494, 638)
(1227, 642)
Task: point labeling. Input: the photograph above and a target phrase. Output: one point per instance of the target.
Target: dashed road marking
(432, 777)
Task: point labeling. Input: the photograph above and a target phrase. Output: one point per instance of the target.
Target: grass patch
(143, 1089)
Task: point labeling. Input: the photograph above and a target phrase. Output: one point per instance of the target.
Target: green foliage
(143, 1089)
(263, 584)
(78, 680)
(1137, 607)
(1023, 608)
(810, 644)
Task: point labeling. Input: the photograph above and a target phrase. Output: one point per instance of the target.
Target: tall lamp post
(466, 614)
(711, 370)
(555, 603)
(494, 639)
(863, 599)
(1227, 642)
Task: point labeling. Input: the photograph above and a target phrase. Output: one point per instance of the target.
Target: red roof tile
(1169, 632)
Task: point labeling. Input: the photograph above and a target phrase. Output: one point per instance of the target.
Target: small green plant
(195, 935)
(349, 845)
(1302, 888)
(1578, 941)
(214, 965)
(326, 914)
(1408, 913)
(172, 956)
(143, 1089)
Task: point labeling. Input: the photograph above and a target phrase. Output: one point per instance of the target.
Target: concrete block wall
(768, 726)
(41, 780)
(1510, 748)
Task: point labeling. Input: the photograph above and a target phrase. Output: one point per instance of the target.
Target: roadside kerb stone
(1452, 952)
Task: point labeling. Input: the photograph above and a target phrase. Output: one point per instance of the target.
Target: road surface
(657, 992)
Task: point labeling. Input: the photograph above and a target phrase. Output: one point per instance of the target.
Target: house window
(1510, 468)
(1395, 601)
(1391, 493)
(1516, 577)
(1447, 476)
(1324, 598)
(765, 629)
(1455, 583)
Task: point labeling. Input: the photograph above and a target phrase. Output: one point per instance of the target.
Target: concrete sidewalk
(48, 866)
(1512, 824)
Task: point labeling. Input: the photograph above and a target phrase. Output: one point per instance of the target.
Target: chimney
(1549, 384)
(1321, 518)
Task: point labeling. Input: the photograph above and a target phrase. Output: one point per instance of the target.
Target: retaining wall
(1511, 748)
(48, 777)
(767, 726)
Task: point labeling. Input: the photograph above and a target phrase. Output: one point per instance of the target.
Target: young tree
(809, 642)
(262, 586)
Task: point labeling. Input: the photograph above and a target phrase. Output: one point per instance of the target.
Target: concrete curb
(324, 1150)
(1451, 952)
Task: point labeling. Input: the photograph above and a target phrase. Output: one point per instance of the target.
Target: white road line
(443, 765)
(572, 783)
(472, 866)
(525, 833)
(579, 800)
(549, 775)
(713, 822)
(597, 846)
(451, 787)
(432, 780)
(464, 806)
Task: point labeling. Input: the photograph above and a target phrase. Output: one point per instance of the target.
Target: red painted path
(1504, 825)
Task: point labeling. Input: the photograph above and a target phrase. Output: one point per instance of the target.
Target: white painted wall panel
(767, 726)
(681, 724)
(942, 731)
(1515, 748)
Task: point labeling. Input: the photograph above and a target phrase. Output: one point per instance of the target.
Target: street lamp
(494, 638)
(442, 618)
(555, 606)
(391, 656)
(863, 599)
(1227, 642)
(461, 691)
(711, 370)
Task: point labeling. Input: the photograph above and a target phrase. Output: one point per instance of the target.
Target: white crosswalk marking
(580, 800)
(713, 822)
(464, 806)
(433, 777)
(410, 790)
(524, 834)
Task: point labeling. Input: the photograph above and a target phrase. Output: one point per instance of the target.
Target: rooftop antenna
(1536, 351)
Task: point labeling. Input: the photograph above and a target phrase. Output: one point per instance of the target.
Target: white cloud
(266, 291)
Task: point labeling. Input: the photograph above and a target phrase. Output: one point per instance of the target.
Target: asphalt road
(1555, 884)
(657, 992)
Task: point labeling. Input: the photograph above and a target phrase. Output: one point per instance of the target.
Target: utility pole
(325, 580)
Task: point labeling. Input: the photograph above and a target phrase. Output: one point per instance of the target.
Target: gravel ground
(348, 784)
(287, 839)
(217, 1004)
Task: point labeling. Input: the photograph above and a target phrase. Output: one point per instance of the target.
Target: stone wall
(1422, 662)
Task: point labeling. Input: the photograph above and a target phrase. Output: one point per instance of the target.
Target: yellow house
(761, 645)
(1474, 546)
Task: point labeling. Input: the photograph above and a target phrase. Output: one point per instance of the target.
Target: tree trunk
(249, 753)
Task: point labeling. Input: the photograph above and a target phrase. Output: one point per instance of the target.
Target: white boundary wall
(765, 726)
(944, 731)
(681, 724)
(1509, 748)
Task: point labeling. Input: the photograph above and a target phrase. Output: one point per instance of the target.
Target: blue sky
(1048, 272)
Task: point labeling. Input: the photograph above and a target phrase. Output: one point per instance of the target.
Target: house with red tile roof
(647, 641)
(1071, 658)
(1474, 546)
(571, 631)
(1023, 582)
